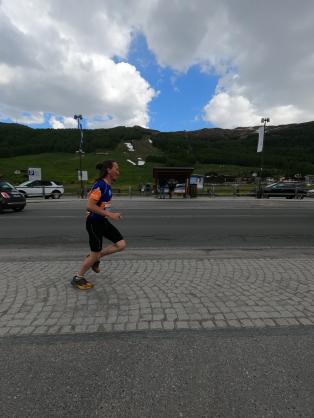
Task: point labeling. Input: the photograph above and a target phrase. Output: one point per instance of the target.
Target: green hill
(288, 149)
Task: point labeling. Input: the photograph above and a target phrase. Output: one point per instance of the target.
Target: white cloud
(56, 123)
(58, 57)
(31, 118)
(230, 111)
(67, 65)
(61, 122)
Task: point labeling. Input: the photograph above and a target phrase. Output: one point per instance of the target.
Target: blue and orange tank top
(101, 193)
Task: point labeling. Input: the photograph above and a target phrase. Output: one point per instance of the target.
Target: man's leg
(79, 280)
(113, 248)
(89, 262)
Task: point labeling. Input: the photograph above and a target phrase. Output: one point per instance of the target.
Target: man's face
(114, 172)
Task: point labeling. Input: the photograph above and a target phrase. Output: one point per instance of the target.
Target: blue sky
(182, 95)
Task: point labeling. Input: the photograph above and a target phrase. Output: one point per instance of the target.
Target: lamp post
(264, 121)
(80, 151)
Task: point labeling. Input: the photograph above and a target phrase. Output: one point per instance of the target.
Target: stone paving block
(305, 321)
(182, 325)
(195, 316)
(158, 317)
(246, 323)
(234, 323)
(195, 325)
(219, 317)
(15, 330)
(241, 315)
(293, 321)
(230, 316)
(53, 330)
(92, 328)
(155, 325)
(183, 317)
(208, 324)
(40, 330)
(171, 317)
(259, 323)
(221, 324)
(168, 325)
(269, 322)
(143, 325)
(282, 322)
(131, 326)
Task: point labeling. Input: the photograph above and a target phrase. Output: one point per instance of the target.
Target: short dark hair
(103, 168)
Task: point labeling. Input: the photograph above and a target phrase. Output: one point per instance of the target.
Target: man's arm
(93, 207)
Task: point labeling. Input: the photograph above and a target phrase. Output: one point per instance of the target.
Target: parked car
(41, 188)
(310, 193)
(180, 188)
(287, 190)
(10, 197)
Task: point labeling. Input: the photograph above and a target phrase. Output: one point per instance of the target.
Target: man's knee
(120, 245)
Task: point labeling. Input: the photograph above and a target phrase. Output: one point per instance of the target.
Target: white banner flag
(260, 139)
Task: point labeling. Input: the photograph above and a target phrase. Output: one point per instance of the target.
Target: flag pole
(260, 148)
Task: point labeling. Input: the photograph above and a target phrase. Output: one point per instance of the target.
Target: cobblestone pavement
(157, 294)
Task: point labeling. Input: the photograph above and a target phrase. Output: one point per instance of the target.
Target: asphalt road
(223, 373)
(226, 224)
(161, 375)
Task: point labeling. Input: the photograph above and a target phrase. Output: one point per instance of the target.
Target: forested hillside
(289, 148)
(21, 140)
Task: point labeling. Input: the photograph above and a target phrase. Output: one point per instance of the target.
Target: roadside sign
(34, 173)
(84, 175)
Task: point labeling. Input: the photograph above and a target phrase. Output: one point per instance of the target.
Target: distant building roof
(173, 171)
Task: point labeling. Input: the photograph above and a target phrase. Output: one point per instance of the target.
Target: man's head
(109, 170)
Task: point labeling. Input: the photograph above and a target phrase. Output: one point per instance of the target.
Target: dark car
(287, 190)
(10, 197)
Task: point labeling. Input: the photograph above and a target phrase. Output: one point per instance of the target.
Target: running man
(98, 225)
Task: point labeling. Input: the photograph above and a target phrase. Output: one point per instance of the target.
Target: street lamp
(264, 121)
(80, 151)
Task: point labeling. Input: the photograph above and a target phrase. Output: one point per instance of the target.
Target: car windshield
(4, 185)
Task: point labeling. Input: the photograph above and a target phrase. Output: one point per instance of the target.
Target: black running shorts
(99, 229)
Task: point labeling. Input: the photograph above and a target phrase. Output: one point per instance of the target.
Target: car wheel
(1, 208)
(55, 195)
(19, 209)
